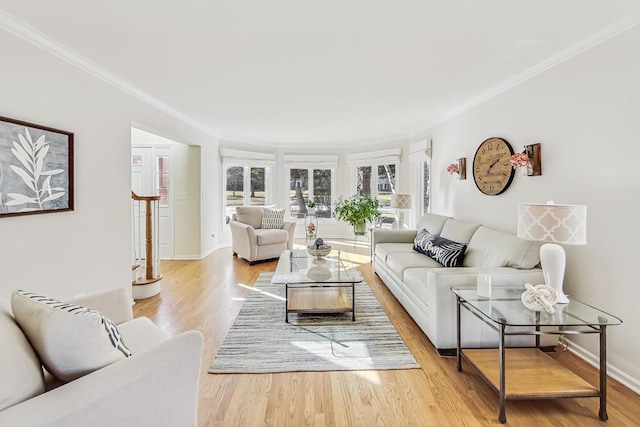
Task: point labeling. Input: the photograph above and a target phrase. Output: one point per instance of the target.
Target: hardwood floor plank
(207, 295)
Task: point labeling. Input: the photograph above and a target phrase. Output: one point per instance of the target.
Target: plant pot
(360, 229)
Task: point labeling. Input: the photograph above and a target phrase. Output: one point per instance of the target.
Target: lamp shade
(565, 224)
(401, 201)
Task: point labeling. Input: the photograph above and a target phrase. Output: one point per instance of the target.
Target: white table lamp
(565, 224)
(400, 201)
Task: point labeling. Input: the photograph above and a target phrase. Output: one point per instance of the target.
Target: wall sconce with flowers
(459, 168)
(529, 161)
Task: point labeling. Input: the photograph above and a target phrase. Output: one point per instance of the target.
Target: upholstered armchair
(259, 233)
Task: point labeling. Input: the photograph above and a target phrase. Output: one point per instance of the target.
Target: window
(245, 186)
(380, 186)
(300, 192)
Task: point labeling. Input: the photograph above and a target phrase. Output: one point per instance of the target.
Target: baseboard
(613, 372)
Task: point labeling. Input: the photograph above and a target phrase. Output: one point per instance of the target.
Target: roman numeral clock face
(492, 172)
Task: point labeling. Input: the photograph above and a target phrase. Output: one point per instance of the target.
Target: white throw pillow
(71, 340)
(273, 218)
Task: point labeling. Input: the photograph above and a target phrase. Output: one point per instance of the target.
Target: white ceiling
(325, 72)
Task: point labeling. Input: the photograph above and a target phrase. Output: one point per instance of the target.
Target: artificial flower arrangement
(311, 228)
(453, 168)
(519, 160)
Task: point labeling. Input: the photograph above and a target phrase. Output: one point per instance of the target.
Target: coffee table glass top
(298, 267)
(505, 307)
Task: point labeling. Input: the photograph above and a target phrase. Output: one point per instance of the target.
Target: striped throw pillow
(273, 218)
(71, 340)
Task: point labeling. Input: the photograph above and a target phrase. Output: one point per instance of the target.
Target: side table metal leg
(458, 355)
(603, 373)
(286, 303)
(503, 416)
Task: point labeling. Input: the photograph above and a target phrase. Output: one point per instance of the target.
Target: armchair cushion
(71, 340)
(273, 218)
(271, 237)
(250, 215)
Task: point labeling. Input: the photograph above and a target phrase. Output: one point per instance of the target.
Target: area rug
(261, 342)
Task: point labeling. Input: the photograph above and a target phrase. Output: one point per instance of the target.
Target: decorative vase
(527, 170)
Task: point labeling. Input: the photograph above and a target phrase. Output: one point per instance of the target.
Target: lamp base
(553, 260)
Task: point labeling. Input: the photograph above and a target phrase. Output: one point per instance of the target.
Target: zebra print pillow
(71, 341)
(445, 251)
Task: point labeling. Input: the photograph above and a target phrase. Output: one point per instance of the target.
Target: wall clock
(492, 172)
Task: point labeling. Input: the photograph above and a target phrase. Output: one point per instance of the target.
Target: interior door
(151, 175)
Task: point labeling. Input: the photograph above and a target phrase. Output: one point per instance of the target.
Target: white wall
(586, 115)
(68, 253)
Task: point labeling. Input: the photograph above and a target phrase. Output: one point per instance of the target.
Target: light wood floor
(207, 295)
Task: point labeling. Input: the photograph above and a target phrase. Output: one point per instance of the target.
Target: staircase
(145, 270)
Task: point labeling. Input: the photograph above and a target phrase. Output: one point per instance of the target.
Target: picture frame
(36, 169)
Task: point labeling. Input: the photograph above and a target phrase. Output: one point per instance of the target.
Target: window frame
(246, 184)
(310, 189)
(374, 164)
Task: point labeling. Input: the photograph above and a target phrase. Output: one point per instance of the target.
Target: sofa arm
(244, 241)
(442, 302)
(114, 303)
(156, 387)
(392, 236)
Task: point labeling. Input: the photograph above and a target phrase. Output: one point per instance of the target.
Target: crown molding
(576, 49)
(29, 34)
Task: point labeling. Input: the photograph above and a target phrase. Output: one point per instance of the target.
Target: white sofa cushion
(70, 340)
(458, 231)
(20, 370)
(493, 248)
(142, 334)
(433, 223)
(384, 249)
(399, 262)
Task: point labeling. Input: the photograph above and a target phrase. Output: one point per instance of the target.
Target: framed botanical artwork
(36, 168)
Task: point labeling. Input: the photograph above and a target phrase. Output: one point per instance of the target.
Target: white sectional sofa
(423, 286)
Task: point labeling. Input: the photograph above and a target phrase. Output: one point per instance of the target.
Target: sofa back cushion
(493, 248)
(432, 223)
(250, 215)
(458, 231)
(20, 370)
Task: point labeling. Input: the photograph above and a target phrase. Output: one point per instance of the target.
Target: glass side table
(526, 373)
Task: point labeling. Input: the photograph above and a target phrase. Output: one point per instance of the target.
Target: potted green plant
(357, 211)
(312, 207)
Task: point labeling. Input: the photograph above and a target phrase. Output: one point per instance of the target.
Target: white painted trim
(29, 34)
(613, 372)
(590, 42)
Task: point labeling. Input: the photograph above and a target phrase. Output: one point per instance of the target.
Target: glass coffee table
(529, 373)
(317, 284)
